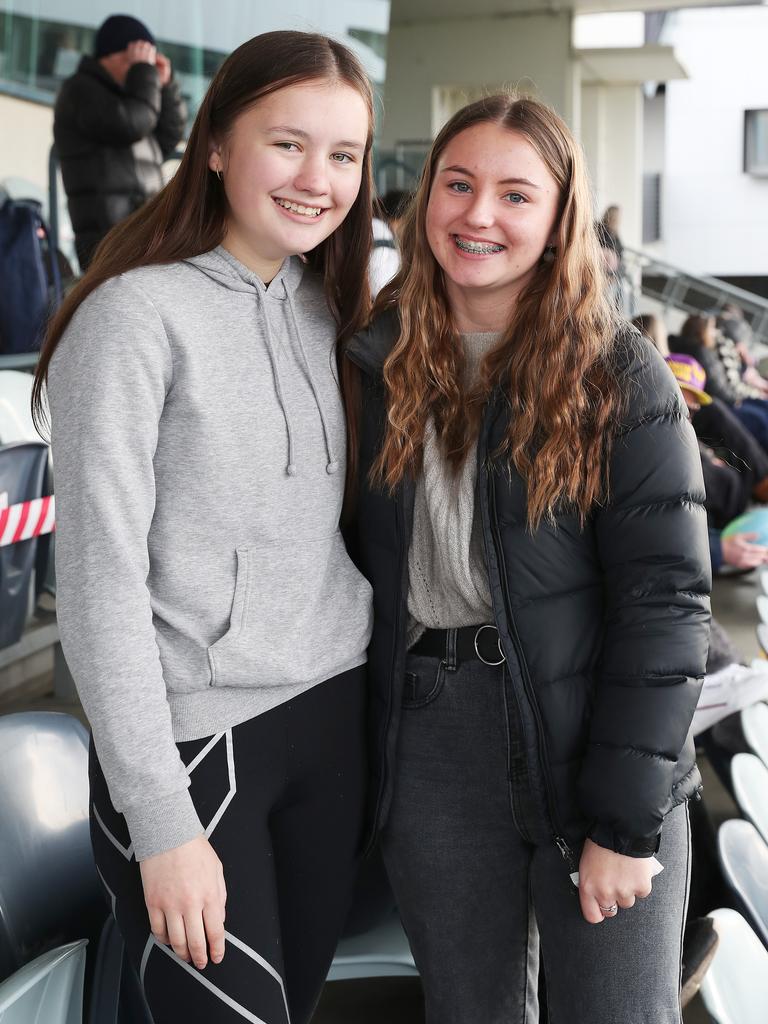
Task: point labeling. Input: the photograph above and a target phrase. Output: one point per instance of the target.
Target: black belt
(479, 643)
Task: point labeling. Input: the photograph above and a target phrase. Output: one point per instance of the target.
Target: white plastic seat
(735, 988)
(381, 952)
(49, 989)
(15, 413)
(754, 722)
(750, 786)
(744, 860)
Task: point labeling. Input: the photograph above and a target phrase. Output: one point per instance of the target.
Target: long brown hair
(188, 216)
(553, 364)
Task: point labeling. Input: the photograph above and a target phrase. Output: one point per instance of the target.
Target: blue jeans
(483, 890)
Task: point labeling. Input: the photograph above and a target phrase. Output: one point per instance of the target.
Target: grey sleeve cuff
(162, 824)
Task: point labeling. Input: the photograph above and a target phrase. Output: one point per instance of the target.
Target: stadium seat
(750, 787)
(50, 893)
(744, 861)
(47, 991)
(49, 889)
(735, 988)
(754, 724)
(382, 951)
(15, 407)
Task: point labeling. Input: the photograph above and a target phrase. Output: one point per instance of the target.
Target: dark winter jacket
(111, 141)
(605, 628)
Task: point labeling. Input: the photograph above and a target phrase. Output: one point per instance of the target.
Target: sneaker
(699, 944)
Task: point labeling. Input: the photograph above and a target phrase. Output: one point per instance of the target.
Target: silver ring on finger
(609, 911)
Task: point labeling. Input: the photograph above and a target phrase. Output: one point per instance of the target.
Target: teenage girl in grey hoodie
(213, 622)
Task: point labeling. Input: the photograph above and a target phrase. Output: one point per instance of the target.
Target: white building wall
(26, 134)
(715, 217)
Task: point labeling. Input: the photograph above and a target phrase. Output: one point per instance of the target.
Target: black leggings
(285, 794)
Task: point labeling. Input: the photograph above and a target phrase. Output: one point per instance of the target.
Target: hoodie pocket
(299, 612)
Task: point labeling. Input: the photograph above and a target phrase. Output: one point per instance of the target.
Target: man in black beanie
(116, 119)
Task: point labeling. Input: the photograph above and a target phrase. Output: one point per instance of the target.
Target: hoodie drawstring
(333, 463)
(290, 469)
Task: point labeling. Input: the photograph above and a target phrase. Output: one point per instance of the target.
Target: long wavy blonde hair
(554, 362)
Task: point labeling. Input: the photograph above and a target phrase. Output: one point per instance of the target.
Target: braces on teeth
(484, 248)
(308, 211)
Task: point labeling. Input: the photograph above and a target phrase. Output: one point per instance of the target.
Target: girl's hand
(185, 895)
(607, 879)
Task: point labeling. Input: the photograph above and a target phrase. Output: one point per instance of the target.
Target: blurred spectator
(727, 489)
(116, 119)
(732, 322)
(385, 258)
(714, 422)
(701, 339)
(393, 205)
(654, 328)
(613, 256)
(738, 551)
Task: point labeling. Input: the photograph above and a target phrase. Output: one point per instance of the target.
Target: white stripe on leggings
(237, 1007)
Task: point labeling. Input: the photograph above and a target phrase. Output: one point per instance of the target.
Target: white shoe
(731, 689)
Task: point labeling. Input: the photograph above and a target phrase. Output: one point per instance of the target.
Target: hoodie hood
(223, 268)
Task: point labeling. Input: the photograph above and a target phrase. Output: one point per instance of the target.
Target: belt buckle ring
(502, 659)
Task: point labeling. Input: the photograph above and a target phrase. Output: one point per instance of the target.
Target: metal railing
(677, 289)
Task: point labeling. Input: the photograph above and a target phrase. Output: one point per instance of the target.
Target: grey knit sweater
(448, 578)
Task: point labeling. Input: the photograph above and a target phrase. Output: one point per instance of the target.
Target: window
(756, 142)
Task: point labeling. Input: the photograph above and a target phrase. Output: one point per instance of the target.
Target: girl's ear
(215, 162)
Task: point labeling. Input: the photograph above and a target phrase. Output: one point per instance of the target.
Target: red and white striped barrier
(27, 519)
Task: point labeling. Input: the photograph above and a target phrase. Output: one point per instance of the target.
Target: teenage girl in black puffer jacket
(529, 509)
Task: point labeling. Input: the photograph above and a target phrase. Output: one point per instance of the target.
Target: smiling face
(492, 211)
(292, 167)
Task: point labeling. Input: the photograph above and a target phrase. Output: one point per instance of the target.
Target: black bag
(30, 281)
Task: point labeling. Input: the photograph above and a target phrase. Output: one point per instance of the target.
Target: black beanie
(119, 30)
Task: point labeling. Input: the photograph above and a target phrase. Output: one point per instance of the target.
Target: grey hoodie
(199, 445)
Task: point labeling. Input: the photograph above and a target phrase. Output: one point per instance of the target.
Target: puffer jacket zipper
(558, 837)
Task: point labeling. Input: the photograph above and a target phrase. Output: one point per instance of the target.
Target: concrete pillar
(435, 67)
(612, 137)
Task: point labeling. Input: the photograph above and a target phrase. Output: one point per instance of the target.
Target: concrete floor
(390, 1000)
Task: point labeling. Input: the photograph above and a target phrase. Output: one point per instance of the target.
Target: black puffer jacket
(605, 629)
(111, 141)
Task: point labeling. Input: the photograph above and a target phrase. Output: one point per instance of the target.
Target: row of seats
(735, 988)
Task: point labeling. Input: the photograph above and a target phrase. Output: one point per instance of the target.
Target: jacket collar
(92, 66)
(369, 348)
